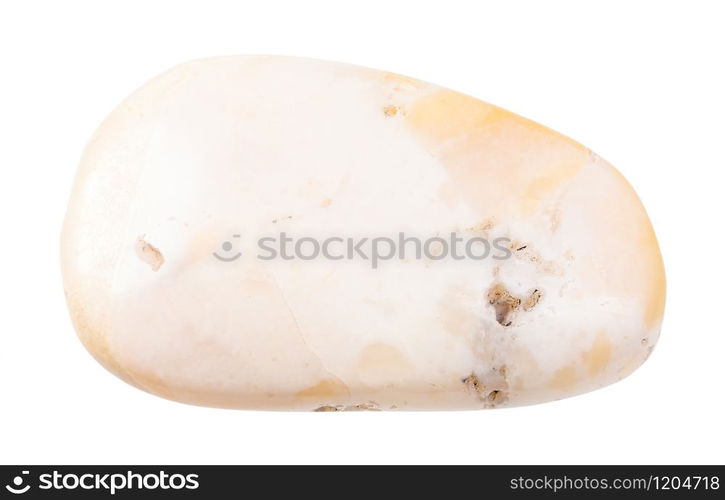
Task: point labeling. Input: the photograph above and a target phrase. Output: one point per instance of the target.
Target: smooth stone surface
(258, 145)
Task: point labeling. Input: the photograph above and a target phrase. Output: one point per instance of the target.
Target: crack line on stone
(302, 335)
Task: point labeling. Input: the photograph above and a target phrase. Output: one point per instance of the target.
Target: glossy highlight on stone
(180, 181)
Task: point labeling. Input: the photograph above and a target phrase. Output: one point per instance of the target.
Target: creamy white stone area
(255, 146)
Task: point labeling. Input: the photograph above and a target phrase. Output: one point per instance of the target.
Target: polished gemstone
(177, 281)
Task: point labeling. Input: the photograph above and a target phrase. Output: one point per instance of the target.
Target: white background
(641, 83)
